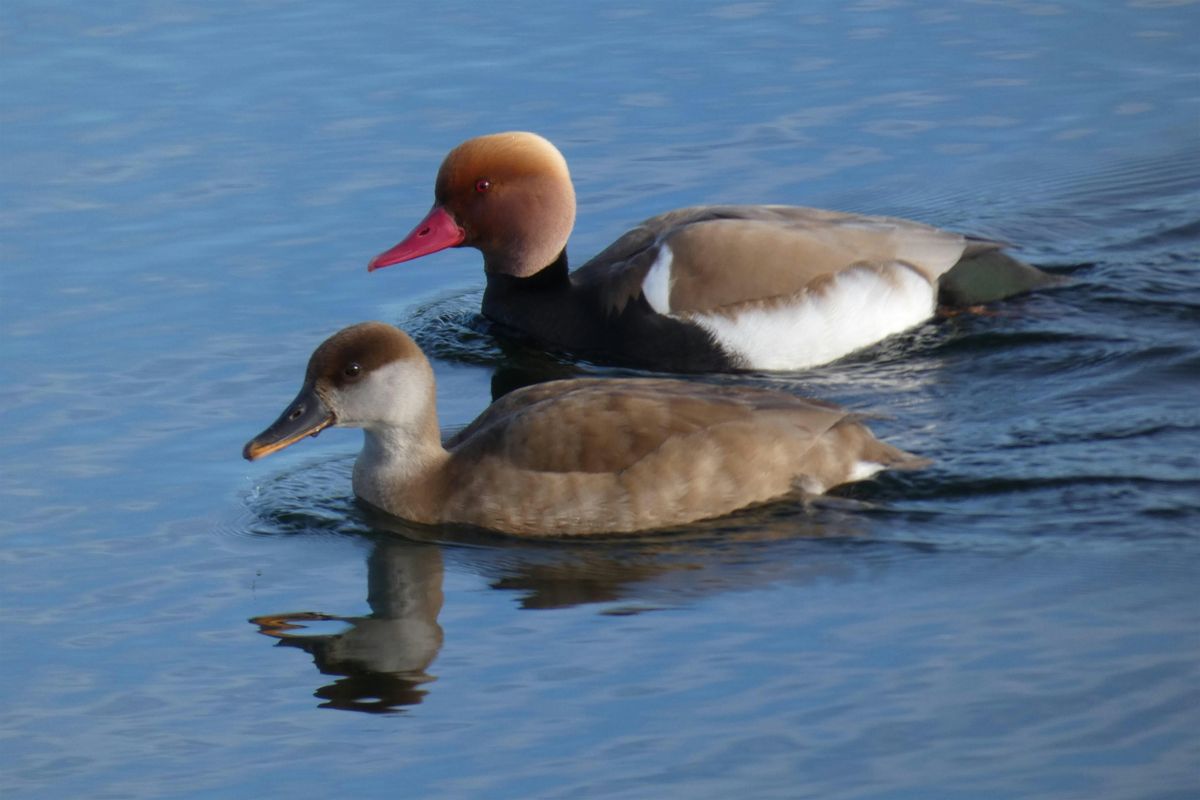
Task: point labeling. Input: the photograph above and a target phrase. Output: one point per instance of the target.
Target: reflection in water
(383, 659)
(384, 656)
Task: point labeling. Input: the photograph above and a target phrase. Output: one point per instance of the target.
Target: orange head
(509, 195)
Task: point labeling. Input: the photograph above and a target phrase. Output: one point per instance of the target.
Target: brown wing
(595, 425)
(723, 255)
(618, 270)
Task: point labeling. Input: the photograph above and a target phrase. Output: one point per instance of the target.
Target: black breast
(552, 312)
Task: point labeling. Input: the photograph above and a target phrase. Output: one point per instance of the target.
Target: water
(188, 199)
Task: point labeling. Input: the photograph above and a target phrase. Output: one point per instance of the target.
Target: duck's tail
(986, 273)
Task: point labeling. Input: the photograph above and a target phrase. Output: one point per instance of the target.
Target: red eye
(483, 185)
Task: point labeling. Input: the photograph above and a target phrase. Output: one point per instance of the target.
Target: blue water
(189, 195)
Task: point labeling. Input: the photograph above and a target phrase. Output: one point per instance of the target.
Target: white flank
(859, 308)
(657, 284)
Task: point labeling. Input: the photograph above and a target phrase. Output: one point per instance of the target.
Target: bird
(713, 288)
(573, 457)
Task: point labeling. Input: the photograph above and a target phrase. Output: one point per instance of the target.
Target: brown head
(509, 195)
(369, 375)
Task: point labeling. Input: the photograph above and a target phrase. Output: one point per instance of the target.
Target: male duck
(708, 288)
(570, 457)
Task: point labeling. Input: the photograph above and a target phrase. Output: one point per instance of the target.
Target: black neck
(553, 277)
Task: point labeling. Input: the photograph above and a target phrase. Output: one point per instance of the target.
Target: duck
(713, 288)
(574, 457)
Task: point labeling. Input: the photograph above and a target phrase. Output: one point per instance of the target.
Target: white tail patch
(861, 306)
(863, 470)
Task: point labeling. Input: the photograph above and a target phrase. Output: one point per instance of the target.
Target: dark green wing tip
(990, 275)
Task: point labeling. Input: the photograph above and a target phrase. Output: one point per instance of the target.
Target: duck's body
(697, 289)
(570, 457)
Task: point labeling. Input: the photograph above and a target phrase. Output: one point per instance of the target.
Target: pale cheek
(350, 409)
(393, 395)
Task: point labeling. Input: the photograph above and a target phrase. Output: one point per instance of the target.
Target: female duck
(569, 457)
(709, 288)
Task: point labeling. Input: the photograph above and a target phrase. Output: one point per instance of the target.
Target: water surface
(188, 199)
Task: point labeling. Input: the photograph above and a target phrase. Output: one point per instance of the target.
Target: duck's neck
(400, 468)
(544, 306)
(554, 277)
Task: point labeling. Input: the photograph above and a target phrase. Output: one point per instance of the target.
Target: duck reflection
(384, 656)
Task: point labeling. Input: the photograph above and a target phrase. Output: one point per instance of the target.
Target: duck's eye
(352, 370)
(483, 186)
